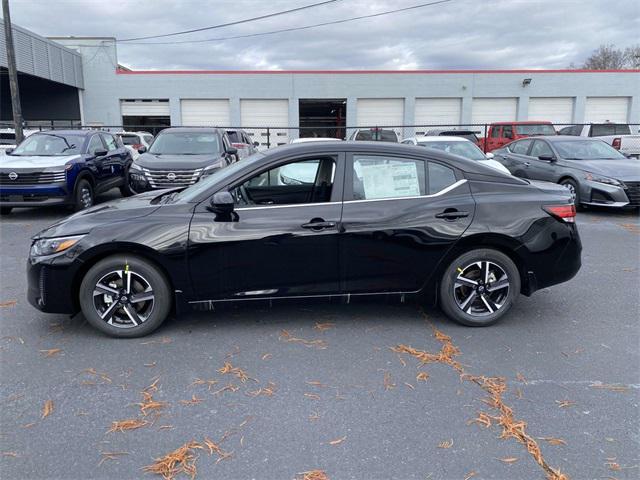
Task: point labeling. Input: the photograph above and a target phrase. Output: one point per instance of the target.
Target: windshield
(191, 193)
(587, 150)
(456, 133)
(186, 143)
(377, 135)
(535, 129)
(50, 144)
(463, 149)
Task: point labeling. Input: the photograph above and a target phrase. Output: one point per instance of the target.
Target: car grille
(171, 178)
(633, 193)
(35, 178)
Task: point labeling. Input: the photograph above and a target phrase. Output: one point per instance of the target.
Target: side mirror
(8, 151)
(547, 158)
(232, 151)
(100, 152)
(489, 155)
(256, 144)
(142, 149)
(222, 202)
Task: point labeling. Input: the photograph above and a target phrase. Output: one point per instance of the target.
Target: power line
(237, 22)
(293, 29)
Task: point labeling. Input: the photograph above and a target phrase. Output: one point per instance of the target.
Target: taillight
(238, 145)
(136, 146)
(617, 142)
(566, 213)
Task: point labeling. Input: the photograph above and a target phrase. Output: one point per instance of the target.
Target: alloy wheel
(481, 288)
(572, 190)
(123, 298)
(85, 197)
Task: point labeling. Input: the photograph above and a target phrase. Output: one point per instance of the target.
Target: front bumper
(605, 195)
(50, 284)
(35, 196)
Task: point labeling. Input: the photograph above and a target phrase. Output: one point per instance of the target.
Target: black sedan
(594, 172)
(330, 219)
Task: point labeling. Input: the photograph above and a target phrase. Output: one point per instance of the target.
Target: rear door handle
(452, 215)
(321, 225)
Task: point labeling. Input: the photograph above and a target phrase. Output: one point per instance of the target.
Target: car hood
(106, 213)
(623, 169)
(19, 161)
(176, 162)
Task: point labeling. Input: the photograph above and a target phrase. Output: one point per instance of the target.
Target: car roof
(523, 122)
(192, 130)
(70, 132)
(442, 138)
(570, 138)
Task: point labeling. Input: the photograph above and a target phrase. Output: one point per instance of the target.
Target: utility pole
(13, 73)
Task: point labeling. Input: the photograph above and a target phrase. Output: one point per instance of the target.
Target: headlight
(50, 246)
(135, 168)
(599, 179)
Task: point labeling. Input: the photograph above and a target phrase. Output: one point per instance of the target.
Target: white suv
(134, 140)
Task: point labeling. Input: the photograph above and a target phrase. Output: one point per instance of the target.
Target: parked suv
(62, 167)
(501, 133)
(618, 135)
(179, 157)
(241, 141)
(452, 132)
(134, 140)
(375, 135)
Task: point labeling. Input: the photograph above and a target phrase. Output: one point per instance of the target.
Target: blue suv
(63, 167)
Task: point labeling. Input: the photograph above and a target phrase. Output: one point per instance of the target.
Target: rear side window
(507, 131)
(440, 177)
(520, 147)
(109, 141)
(377, 177)
(495, 132)
(609, 129)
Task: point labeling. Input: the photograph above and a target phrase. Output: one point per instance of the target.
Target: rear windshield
(463, 149)
(377, 136)
(609, 129)
(130, 139)
(185, 143)
(587, 150)
(535, 129)
(234, 136)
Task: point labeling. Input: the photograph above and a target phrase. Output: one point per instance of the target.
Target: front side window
(50, 144)
(302, 181)
(95, 144)
(541, 148)
(376, 177)
(440, 177)
(186, 143)
(520, 147)
(507, 131)
(109, 141)
(495, 132)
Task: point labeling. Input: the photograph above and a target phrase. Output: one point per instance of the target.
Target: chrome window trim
(437, 194)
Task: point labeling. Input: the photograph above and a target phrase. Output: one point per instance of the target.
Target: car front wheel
(479, 287)
(125, 296)
(83, 196)
(571, 185)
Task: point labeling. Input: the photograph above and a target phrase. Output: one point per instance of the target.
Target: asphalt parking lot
(325, 390)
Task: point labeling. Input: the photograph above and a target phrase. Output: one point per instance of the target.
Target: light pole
(13, 73)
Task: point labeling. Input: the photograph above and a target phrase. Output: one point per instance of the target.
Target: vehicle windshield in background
(130, 139)
(457, 133)
(377, 135)
(603, 129)
(587, 150)
(186, 143)
(7, 138)
(463, 149)
(535, 129)
(49, 145)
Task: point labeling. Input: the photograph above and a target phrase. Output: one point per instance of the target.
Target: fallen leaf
(565, 403)
(47, 409)
(181, 460)
(110, 456)
(553, 441)
(324, 326)
(312, 475)
(150, 365)
(313, 396)
(130, 424)
(521, 378)
(228, 388)
(422, 377)
(316, 384)
(472, 473)
(509, 460)
(8, 303)
(613, 388)
(229, 369)
(266, 356)
(52, 352)
(193, 401)
(285, 336)
(10, 454)
(446, 444)
(388, 384)
(338, 441)
(410, 386)
(198, 381)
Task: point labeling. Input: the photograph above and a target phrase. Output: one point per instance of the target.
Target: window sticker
(385, 180)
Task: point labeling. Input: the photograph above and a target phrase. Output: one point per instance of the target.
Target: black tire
(452, 290)
(125, 189)
(5, 210)
(150, 314)
(572, 186)
(83, 197)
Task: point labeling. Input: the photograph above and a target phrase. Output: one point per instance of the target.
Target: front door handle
(452, 214)
(526, 164)
(318, 225)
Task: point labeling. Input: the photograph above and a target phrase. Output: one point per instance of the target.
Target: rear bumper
(35, 196)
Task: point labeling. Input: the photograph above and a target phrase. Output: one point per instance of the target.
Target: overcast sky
(461, 34)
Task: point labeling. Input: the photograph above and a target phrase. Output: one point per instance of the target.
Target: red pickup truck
(501, 133)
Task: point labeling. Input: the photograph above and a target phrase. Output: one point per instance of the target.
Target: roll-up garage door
(488, 110)
(209, 113)
(558, 110)
(372, 112)
(606, 109)
(437, 111)
(257, 115)
(144, 108)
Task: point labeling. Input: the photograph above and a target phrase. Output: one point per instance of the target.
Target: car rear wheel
(83, 196)
(5, 210)
(479, 287)
(571, 185)
(125, 296)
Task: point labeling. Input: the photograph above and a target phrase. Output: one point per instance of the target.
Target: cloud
(459, 34)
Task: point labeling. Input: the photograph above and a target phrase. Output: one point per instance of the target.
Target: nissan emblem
(171, 176)
(13, 176)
